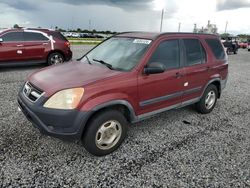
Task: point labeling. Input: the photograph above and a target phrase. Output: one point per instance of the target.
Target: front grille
(31, 92)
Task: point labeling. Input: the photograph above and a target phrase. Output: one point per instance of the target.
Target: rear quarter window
(216, 48)
(58, 35)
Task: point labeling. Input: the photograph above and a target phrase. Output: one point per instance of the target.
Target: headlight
(65, 99)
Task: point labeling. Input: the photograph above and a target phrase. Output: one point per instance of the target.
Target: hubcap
(108, 135)
(210, 100)
(56, 59)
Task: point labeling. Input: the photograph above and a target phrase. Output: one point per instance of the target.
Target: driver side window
(168, 54)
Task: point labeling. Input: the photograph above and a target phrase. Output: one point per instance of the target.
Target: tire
(204, 106)
(55, 58)
(110, 125)
(248, 50)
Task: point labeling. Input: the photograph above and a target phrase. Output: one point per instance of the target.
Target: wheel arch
(217, 83)
(122, 106)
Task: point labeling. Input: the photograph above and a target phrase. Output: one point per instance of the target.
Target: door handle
(178, 75)
(19, 45)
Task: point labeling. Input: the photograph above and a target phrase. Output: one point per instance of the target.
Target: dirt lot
(179, 148)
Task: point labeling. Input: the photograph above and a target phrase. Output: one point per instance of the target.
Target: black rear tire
(55, 58)
(90, 136)
(202, 106)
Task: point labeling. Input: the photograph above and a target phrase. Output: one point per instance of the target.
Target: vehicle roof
(154, 35)
(22, 29)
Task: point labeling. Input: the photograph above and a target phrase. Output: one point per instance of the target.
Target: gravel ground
(178, 148)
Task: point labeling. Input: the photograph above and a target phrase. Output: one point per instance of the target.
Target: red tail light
(67, 44)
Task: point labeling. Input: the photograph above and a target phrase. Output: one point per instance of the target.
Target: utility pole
(162, 15)
(179, 28)
(72, 23)
(89, 25)
(226, 27)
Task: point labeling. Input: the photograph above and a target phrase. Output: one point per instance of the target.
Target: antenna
(162, 15)
(179, 28)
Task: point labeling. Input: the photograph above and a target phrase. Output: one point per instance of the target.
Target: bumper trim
(62, 124)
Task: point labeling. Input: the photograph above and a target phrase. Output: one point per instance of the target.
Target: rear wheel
(105, 132)
(208, 100)
(55, 58)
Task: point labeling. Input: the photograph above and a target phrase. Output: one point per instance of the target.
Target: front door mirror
(1, 40)
(154, 68)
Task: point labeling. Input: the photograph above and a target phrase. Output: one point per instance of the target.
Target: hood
(69, 75)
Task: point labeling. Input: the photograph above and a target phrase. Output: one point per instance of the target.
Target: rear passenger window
(13, 37)
(195, 53)
(168, 54)
(30, 36)
(216, 48)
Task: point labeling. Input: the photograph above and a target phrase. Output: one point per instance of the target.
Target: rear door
(11, 48)
(35, 45)
(196, 69)
(163, 90)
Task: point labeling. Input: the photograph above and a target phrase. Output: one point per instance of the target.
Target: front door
(163, 90)
(11, 47)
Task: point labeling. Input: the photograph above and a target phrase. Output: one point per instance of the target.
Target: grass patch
(88, 39)
(83, 43)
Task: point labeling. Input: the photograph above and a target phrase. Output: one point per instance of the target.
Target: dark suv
(125, 79)
(33, 46)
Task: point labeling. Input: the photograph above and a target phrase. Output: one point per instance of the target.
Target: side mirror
(154, 68)
(1, 40)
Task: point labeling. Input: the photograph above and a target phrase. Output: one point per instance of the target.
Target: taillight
(67, 44)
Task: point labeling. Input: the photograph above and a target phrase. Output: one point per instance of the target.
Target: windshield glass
(118, 53)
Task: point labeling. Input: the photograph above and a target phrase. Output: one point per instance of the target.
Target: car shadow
(10, 68)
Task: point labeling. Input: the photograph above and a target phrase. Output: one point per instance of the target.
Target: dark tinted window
(216, 48)
(58, 35)
(167, 53)
(195, 54)
(30, 36)
(12, 36)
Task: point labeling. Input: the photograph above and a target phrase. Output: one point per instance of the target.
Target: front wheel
(208, 100)
(55, 58)
(105, 132)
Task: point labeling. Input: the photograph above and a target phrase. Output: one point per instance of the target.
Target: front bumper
(63, 124)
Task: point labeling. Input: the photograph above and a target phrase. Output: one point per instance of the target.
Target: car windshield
(118, 53)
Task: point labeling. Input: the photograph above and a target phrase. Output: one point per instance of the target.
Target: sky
(127, 15)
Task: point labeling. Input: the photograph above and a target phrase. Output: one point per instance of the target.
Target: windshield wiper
(104, 63)
(88, 60)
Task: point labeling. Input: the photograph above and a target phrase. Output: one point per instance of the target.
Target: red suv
(125, 79)
(33, 46)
